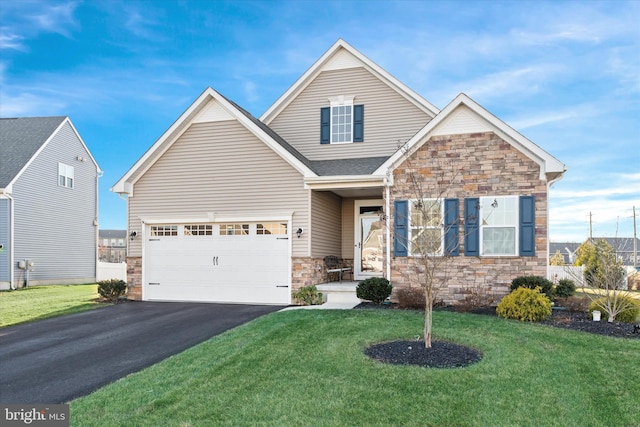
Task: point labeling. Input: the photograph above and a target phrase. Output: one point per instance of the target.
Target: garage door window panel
(164, 230)
(234, 229)
(198, 230)
(271, 228)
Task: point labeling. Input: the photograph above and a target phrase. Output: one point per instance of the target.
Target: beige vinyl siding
(326, 213)
(388, 116)
(223, 168)
(348, 230)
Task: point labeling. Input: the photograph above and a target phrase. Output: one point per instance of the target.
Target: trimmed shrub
(308, 295)
(532, 282)
(529, 305)
(565, 288)
(374, 289)
(411, 298)
(627, 316)
(112, 289)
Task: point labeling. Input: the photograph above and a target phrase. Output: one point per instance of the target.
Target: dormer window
(342, 122)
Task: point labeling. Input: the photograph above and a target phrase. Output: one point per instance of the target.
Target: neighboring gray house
(112, 245)
(48, 203)
(623, 246)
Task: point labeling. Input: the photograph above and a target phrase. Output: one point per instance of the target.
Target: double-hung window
(425, 227)
(342, 122)
(499, 225)
(65, 175)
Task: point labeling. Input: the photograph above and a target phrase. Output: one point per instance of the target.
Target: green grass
(41, 302)
(307, 368)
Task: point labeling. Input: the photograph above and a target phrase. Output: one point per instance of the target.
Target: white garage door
(231, 262)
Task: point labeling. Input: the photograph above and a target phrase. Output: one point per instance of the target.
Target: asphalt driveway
(59, 359)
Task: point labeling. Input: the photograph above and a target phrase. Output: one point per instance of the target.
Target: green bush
(628, 316)
(308, 295)
(565, 288)
(374, 289)
(525, 304)
(532, 282)
(112, 289)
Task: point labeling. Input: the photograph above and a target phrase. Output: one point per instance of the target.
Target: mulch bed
(444, 354)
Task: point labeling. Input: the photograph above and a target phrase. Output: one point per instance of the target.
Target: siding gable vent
(213, 112)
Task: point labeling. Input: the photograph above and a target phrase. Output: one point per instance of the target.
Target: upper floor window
(341, 123)
(65, 175)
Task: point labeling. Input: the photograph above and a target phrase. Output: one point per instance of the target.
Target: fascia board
(548, 163)
(155, 150)
(344, 181)
(316, 68)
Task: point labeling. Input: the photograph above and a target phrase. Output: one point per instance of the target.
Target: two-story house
(48, 203)
(227, 207)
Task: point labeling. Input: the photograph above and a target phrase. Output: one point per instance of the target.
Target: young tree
(604, 277)
(557, 259)
(434, 235)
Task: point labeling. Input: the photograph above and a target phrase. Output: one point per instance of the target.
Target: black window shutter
(325, 125)
(400, 227)
(527, 226)
(358, 123)
(451, 230)
(471, 226)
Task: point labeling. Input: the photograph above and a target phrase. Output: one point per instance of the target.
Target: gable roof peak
(356, 58)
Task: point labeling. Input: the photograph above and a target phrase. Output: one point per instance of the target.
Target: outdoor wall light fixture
(494, 204)
(299, 232)
(132, 235)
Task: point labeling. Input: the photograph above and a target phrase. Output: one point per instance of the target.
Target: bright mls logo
(34, 415)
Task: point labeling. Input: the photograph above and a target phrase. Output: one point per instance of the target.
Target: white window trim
(67, 172)
(410, 227)
(483, 227)
(340, 101)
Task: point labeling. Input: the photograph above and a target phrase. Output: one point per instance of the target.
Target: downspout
(549, 184)
(96, 222)
(11, 240)
(387, 209)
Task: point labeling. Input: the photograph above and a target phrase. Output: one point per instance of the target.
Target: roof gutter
(5, 193)
(343, 181)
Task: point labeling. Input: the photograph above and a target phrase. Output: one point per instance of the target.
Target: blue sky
(566, 74)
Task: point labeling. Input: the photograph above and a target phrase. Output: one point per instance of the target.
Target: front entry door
(369, 231)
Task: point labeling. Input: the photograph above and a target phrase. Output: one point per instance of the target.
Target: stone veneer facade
(463, 166)
(134, 278)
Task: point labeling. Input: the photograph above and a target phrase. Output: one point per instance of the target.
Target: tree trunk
(427, 324)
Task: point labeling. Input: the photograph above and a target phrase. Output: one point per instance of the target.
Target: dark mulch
(448, 355)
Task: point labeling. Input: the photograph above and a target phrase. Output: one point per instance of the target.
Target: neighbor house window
(65, 175)
(342, 122)
(425, 227)
(272, 228)
(234, 229)
(499, 225)
(164, 230)
(198, 230)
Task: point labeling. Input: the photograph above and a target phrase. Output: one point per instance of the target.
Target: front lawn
(41, 302)
(307, 368)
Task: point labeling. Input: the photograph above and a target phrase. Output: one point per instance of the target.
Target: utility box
(26, 264)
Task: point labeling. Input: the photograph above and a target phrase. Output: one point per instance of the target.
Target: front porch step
(336, 292)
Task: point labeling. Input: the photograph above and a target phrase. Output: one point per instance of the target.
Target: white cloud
(12, 41)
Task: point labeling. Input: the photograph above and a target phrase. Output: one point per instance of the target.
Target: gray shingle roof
(361, 166)
(20, 138)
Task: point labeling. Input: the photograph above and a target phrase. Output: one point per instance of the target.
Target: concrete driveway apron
(59, 359)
